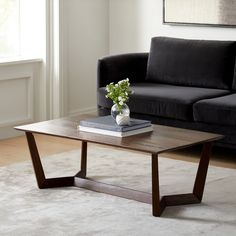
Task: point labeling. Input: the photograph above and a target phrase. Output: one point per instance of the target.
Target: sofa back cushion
(200, 63)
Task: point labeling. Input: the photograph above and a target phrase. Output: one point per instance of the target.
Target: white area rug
(27, 210)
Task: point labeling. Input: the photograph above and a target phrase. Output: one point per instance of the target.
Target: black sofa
(182, 83)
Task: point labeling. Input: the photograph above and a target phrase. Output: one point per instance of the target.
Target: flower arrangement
(119, 93)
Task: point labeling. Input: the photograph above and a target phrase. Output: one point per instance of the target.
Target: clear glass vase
(124, 111)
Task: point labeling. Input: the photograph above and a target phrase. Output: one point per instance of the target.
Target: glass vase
(124, 111)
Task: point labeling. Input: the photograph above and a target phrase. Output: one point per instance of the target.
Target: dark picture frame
(219, 13)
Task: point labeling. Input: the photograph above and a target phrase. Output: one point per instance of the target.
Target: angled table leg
(38, 168)
(42, 181)
(159, 204)
(202, 171)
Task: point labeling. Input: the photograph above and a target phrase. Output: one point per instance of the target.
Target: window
(22, 28)
(9, 28)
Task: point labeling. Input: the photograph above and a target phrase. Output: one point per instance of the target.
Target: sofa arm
(118, 67)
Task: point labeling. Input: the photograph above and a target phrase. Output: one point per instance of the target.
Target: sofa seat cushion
(221, 110)
(199, 63)
(168, 101)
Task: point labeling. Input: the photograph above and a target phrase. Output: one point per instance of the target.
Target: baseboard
(83, 111)
(9, 132)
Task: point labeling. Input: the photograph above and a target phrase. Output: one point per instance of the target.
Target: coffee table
(160, 140)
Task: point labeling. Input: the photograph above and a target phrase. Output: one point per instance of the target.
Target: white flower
(119, 92)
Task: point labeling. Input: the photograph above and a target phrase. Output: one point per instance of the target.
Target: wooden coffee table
(162, 139)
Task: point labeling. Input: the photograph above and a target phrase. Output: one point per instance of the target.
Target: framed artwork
(200, 12)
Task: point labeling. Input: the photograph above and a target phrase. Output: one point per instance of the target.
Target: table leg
(38, 168)
(202, 171)
(159, 204)
(156, 204)
(42, 181)
(83, 164)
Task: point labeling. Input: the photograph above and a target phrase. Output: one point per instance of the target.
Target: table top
(161, 139)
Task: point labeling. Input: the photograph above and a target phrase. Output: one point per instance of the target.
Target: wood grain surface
(161, 139)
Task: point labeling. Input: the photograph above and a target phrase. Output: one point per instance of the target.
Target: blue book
(109, 124)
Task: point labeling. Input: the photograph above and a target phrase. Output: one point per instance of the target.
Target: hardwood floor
(16, 150)
(221, 157)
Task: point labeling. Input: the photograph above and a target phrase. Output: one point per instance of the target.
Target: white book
(115, 133)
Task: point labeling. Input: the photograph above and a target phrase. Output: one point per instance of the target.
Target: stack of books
(107, 125)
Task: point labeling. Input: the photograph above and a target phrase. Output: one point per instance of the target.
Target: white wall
(134, 22)
(20, 95)
(21, 87)
(85, 32)
(84, 26)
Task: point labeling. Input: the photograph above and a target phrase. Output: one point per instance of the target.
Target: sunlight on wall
(22, 28)
(9, 28)
(33, 27)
